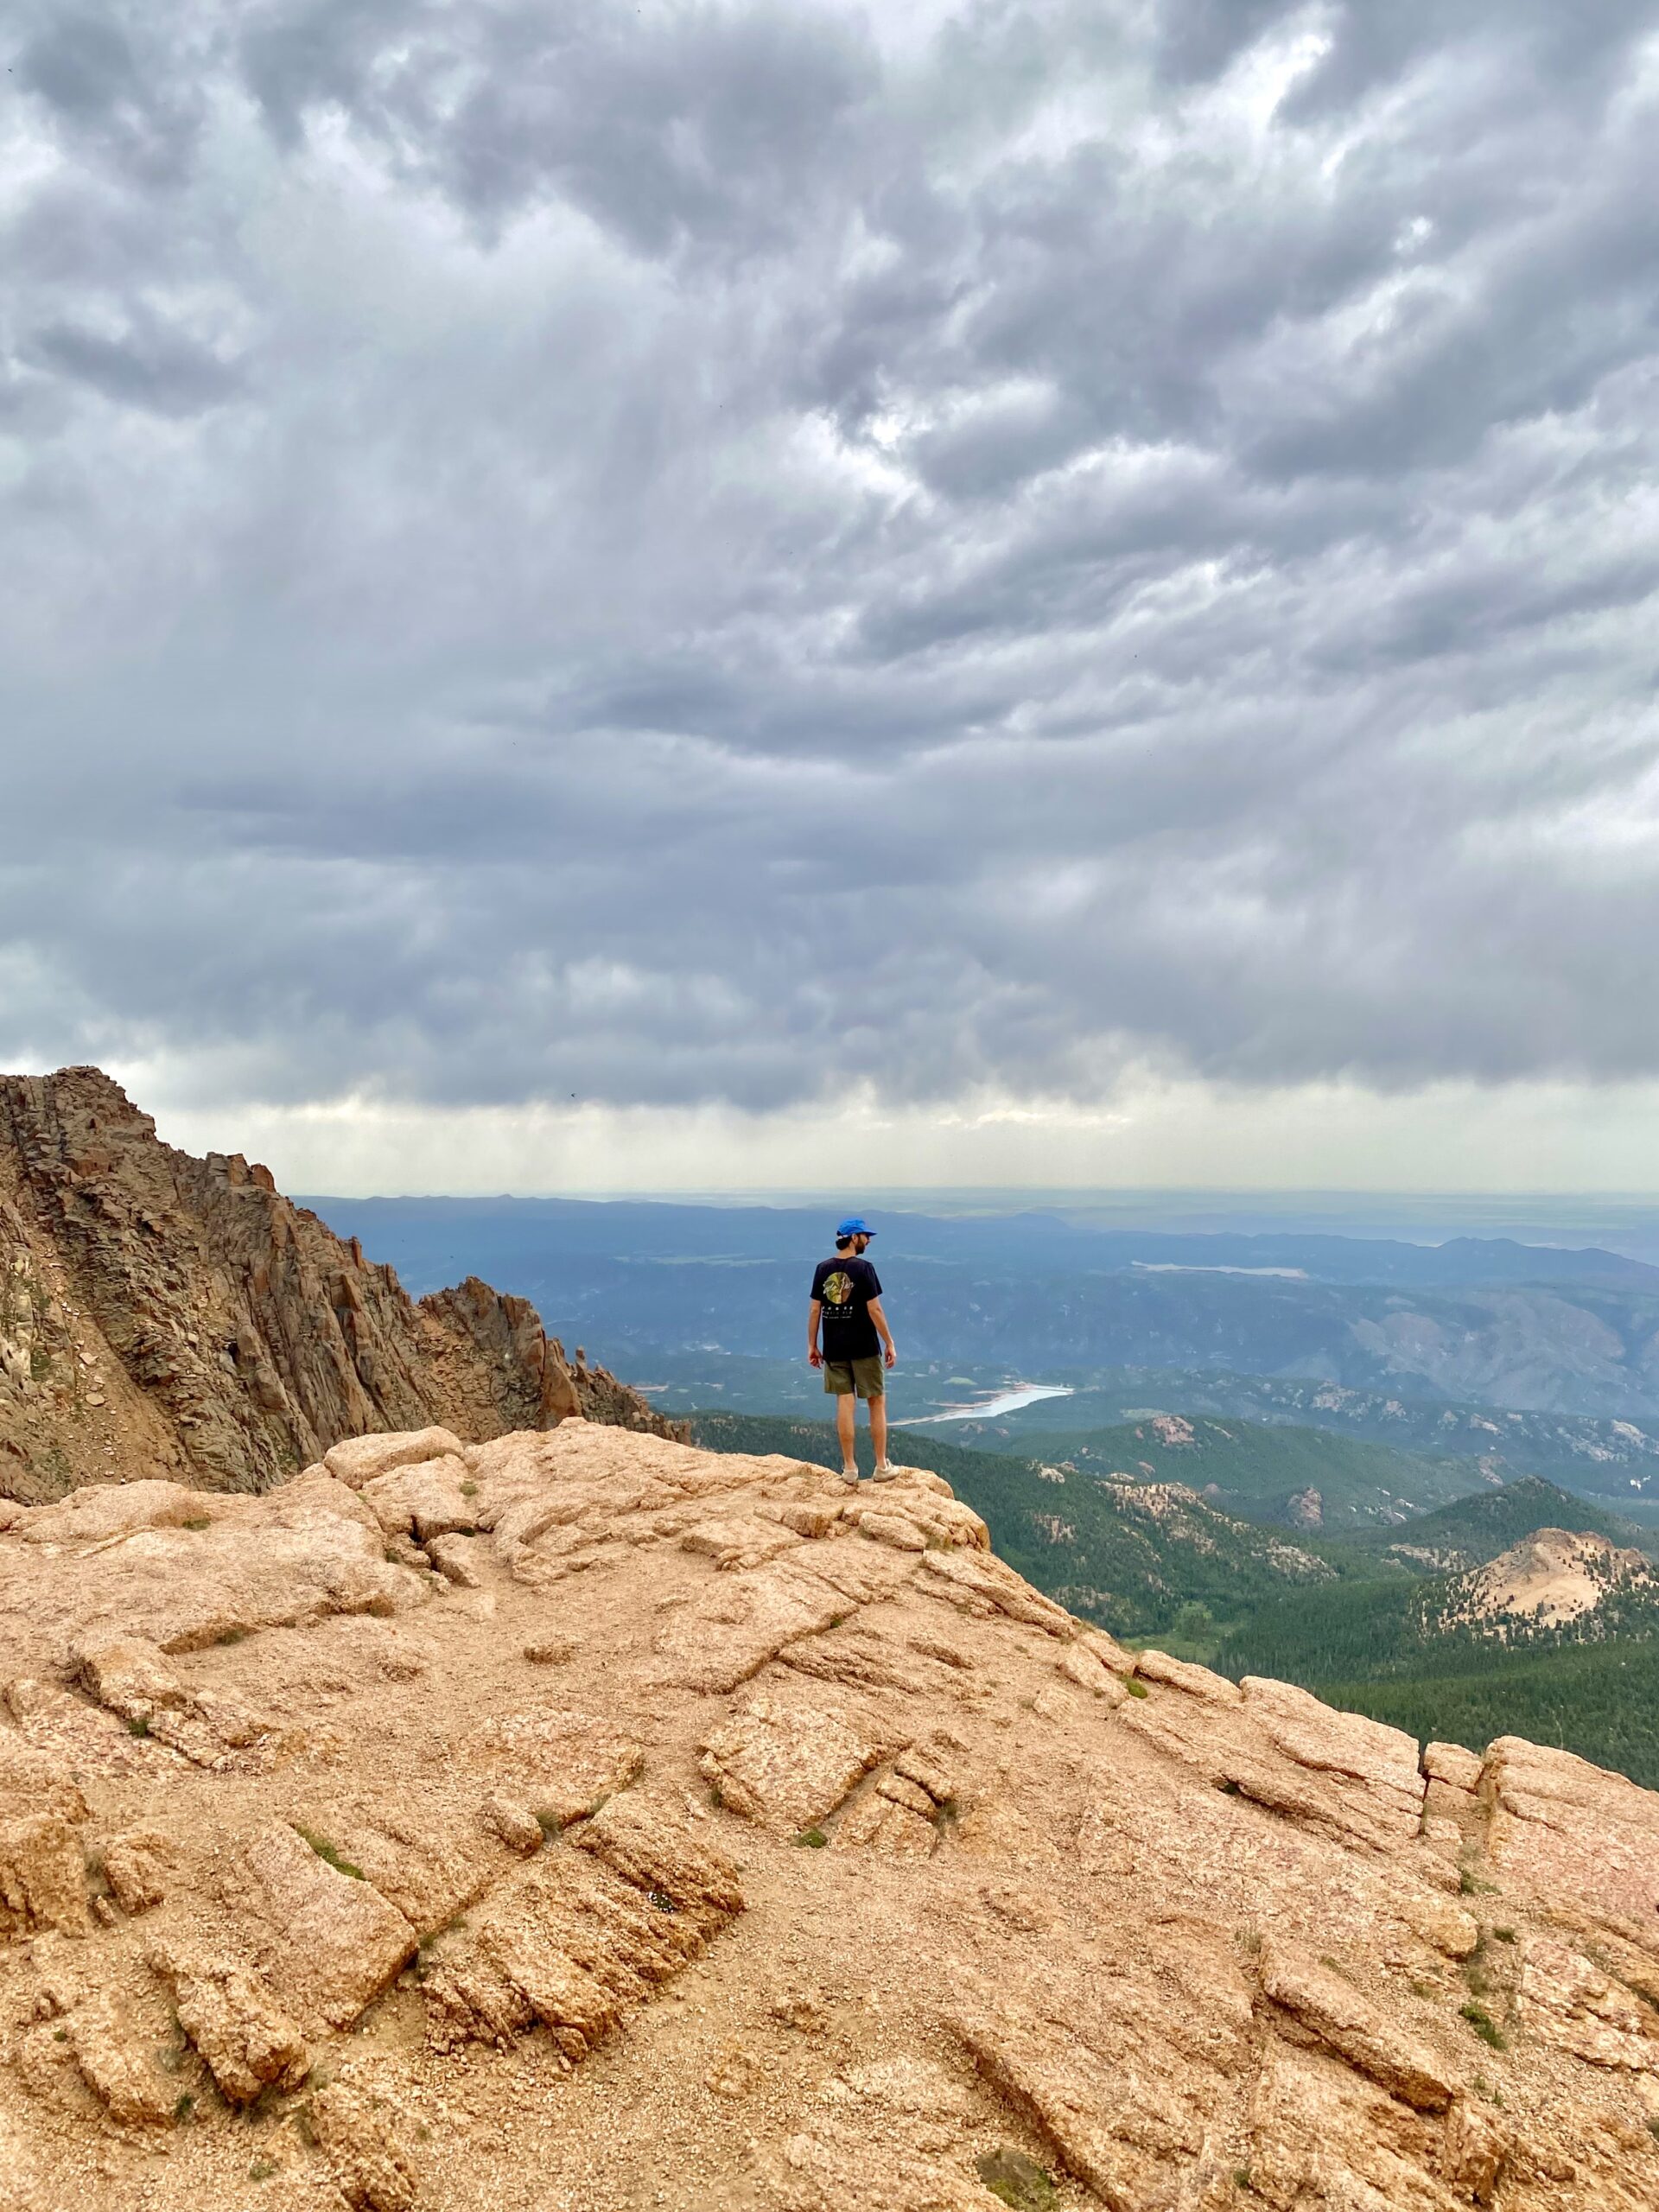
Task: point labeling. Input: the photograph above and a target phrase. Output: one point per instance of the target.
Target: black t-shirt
(844, 1287)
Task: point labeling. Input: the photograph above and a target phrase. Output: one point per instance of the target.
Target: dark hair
(841, 1242)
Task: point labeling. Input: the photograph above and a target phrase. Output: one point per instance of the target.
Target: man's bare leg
(846, 1429)
(879, 1429)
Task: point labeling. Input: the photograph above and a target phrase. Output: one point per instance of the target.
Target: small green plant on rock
(814, 1839)
(1475, 1969)
(184, 2105)
(329, 1855)
(548, 1821)
(1017, 2180)
(263, 2170)
(138, 1724)
(1485, 2026)
(199, 1520)
(1135, 1688)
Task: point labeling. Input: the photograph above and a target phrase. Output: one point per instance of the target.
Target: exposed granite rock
(179, 1316)
(328, 1881)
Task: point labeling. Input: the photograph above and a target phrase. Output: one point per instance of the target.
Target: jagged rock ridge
(179, 1315)
(667, 1829)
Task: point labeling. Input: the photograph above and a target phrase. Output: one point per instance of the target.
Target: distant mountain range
(1476, 1320)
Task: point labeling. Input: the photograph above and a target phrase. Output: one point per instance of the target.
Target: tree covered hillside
(1473, 1530)
(1442, 1654)
(1305, 1478)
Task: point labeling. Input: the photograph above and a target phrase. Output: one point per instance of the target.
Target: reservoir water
(1005, 1401)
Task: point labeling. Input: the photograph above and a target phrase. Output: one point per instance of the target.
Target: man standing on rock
(858, 1344)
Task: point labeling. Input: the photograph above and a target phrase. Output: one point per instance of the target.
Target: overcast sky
(637, 595)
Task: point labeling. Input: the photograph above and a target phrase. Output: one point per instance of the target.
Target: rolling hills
(1304, 1479)
(1471, 1530)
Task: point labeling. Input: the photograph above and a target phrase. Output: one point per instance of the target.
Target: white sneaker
(850, 1476)
(885, 1472)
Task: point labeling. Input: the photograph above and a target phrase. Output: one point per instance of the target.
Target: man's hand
(891, 1355)
(814, 1357)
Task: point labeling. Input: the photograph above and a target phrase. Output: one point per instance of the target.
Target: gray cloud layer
(668, 553)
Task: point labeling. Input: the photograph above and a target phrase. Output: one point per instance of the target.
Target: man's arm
(890, 1351)
(814, 1314)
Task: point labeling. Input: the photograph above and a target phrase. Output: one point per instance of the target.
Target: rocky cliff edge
(180, 1316)
(577, 1821)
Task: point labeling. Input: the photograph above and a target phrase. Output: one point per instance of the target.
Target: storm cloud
(656, 555)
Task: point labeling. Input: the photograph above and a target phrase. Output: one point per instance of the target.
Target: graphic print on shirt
(844, 1288)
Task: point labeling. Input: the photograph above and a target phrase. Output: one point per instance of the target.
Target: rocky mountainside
(1556, 1576)
(180, 1316)
(577, 1821)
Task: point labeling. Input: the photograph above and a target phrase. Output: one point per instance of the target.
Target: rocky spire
(163, 1313)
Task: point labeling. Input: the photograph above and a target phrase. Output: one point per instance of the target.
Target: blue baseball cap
(856, 1226)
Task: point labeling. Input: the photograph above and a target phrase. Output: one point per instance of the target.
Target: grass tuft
(198, 1521)
(814, 1839)
(1017, 2181)
(1135, 1688)
(184, 2105)
(329, 1854)
(1485, 2026)
(138, 1725)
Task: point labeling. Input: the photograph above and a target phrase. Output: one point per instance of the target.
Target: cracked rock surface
(576, 1821)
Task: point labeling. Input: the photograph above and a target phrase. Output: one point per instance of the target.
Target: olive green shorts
(867, 1377)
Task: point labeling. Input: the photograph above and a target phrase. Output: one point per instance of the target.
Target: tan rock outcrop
(837, 1875)
(1339, 2014)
